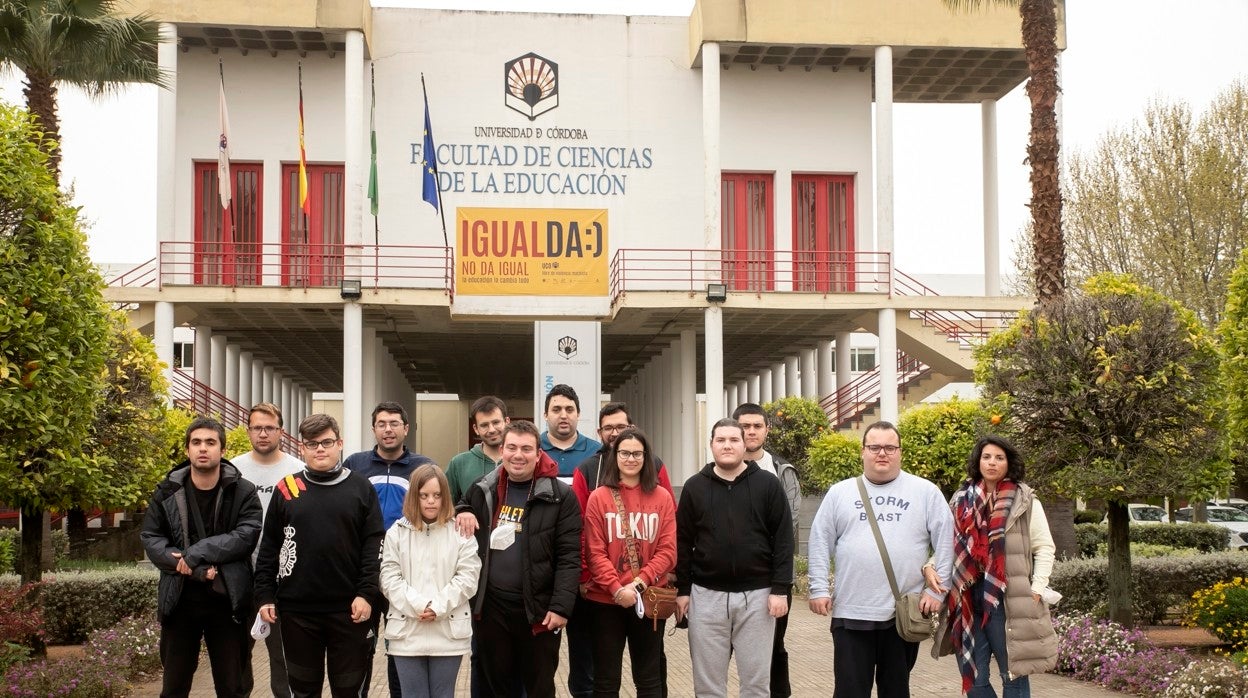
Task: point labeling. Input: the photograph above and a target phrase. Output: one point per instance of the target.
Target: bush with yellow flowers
(1222, 609)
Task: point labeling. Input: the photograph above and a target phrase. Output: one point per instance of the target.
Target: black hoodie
(734, 536)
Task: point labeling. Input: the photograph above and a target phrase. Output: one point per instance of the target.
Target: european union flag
(429, 154)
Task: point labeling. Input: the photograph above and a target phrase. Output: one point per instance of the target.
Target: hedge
(1158, 583)
(1207, 538)
(76, 603)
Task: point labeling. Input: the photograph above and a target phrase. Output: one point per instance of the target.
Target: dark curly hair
(1014, 470)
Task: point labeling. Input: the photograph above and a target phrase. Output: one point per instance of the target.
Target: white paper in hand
(641, 606)
(260, 629)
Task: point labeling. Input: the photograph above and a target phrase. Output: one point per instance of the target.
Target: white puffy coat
(435, 568)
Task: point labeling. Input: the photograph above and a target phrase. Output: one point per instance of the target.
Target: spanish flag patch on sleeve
(290, 487)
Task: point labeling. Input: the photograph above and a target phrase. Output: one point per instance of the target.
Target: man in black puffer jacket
(199, 531)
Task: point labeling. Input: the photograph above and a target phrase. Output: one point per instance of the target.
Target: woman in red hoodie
(630, 543)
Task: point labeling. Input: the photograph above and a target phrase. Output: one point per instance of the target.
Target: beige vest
(1030, 642)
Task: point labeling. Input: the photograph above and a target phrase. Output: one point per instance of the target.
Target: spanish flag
(304, 204)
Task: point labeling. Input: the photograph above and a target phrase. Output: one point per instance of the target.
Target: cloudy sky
(1121, 54)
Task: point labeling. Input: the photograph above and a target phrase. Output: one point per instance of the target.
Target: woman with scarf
(1003, 555)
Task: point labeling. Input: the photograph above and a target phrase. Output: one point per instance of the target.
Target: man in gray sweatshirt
(914, 519)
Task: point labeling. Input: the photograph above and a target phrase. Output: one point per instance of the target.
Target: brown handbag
(658, 601)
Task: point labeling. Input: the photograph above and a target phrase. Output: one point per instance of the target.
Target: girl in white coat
(429, 573)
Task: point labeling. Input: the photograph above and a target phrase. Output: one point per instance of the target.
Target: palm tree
(85, 43)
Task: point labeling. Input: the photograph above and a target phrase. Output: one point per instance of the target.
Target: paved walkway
(810, 656)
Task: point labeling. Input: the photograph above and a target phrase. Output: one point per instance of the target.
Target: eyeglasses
(323, 443)
(887, 450)
(264, 430)
(391, 425)
(630, 455)
(612, 428)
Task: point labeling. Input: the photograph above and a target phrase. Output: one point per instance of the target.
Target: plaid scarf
(979, 553)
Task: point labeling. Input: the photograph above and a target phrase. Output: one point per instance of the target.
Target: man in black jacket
(199, 531)
(528, 535)
(734, 565)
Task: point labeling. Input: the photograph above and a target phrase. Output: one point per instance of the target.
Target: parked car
(1240, 504)
(1143, 514)
(1229, 518)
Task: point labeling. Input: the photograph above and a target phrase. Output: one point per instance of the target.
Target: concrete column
(162, 335)
(992, 234)
(714, 365)
(792, 376)
(203, 354)
(752, 392)
(266, 384)
(710, 150)
(216, 372)
(231, 371)
(730, 399)
(689, 438)
(288, 385)
(352, 376)
(743, 394)
(824, 360)
(257, 381)
(810, 376)
(244, 379)
(765, 393)
(844, 361)
(888, 364)
(777, 381)
(884, 149)
(355, 151)
(167, 139)
(368, 387)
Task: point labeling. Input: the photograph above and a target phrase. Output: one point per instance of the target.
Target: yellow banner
(531, 252)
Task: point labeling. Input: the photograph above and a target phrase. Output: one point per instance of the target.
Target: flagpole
(441, 207)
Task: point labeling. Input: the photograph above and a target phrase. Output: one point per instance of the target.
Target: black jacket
(552, 535)
(734, 536)
(165, 530)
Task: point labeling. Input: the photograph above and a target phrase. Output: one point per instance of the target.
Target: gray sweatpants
(720, 621)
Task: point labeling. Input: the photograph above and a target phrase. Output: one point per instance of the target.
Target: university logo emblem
(567, 347)
(531, 85)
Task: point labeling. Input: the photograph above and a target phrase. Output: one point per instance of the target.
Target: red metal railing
(962, 326)
(142, 275)
(202, 399)
(655, 269)
(291, 265)
(859, 395)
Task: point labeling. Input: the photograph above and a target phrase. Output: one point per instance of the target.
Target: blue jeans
(427, 677)
(990, 640)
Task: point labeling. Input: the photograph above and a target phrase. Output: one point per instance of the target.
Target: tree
(54, 336)
(937, 439)
(1111, 394)
(85, 43)
(1233, 333)
(793, 423)
(1166, 200)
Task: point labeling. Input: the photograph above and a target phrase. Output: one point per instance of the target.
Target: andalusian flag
(304, 203)
(372, 128)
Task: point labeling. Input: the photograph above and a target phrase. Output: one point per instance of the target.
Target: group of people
(530, 533)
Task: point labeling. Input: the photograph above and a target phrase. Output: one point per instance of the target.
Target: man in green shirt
(489, 417)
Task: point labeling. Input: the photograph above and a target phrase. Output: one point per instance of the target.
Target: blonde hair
(411, 502)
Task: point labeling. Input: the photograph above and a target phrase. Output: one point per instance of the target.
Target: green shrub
(1222, 609)
(792, 424)
(1206, 538)
(77, 677)
(11, 538)
(830, 459)
(8, 554)
(12, 653)
(1140, 551)
(1089, 516)
(938, 437)
(76, 603)
(1158, 584)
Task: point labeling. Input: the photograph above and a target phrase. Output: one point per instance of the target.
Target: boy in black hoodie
(734, 565)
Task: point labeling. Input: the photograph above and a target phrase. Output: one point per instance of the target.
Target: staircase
(934, 349)
(202, 399)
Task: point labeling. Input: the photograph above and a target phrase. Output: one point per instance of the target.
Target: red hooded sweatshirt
(652, 516)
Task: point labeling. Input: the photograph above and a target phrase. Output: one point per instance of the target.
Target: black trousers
(209, 619)
(861, 658)
(614, 626)
(316, 642)
(780, 687)
(581, 654)
(509, 648)
(277, 663)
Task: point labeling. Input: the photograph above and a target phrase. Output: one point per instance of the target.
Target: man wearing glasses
(317, 571)
(264, 465)
(912, 516)
(389, 466)
(613, 418)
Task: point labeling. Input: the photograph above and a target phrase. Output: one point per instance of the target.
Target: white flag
(223, 150)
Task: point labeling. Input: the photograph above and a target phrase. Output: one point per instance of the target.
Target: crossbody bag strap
(630, 543)
(879, 539)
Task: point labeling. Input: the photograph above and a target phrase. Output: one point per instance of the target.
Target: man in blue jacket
(389, 466)
(199, 531)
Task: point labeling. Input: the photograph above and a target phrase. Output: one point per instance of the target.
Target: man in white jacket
(913, 517)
